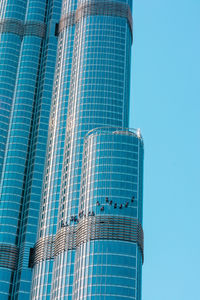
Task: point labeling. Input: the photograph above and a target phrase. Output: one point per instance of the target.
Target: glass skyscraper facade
(71, 171)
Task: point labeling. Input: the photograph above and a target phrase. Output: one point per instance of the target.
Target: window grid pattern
(15, 160)
(103, 270)
(28, 132)
(55, 147)
(110, 188)
(38, 145)
(89, 186)
(9, 52)
(44, 282)
(98, 97)
(110, 173)
(96, 94)
(108, 8)
(18, 136)
(13, 9)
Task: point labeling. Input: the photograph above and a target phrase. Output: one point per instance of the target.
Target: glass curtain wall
(25, 149)
(99, 96)
(37, 148)
(11, 31)
(109, 242)
(42, 272)
(64, 72)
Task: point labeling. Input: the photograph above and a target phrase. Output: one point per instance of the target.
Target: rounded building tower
(90, 239)
(44, 247)
(99, 96)
(70, 220)
(28, 53)
(12, 16)
(109, 241)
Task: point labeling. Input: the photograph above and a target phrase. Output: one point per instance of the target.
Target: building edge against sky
(89, 242)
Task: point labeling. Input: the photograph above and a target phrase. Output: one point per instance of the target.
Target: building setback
(71, 171)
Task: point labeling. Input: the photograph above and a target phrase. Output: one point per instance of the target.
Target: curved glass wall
(109, 234)
(12, 14)
(65, 70)
(27, 137)
(112, 169)
(42, 272)
(99, 96)
(11, 19)
(38, 143)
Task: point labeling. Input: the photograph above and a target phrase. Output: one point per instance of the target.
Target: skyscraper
(28, 48)
(86, 192)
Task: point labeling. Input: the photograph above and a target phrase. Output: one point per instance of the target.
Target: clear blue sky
(166, 106)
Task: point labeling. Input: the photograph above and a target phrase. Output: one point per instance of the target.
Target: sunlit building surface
(71, 171)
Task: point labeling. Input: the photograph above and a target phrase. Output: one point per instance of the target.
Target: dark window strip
(18, 28)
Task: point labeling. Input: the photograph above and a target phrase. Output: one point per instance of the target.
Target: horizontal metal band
(110, 228)
(66, 21)
(44, 249)
(18, 28)
(9, 256)
(65, 239)
(48, 247)
(104, 8)
(89, 228)
(12, 26)
(35, 28)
